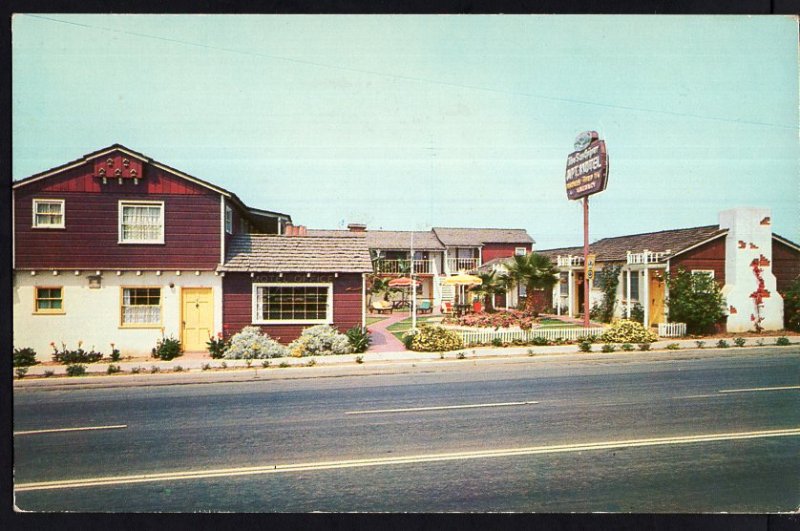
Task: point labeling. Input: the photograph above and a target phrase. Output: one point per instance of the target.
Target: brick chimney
(356, 227)
(295, 230)
(288, 229)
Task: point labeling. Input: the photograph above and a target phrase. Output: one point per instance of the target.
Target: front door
(198, 318)
(656, 298)
(578, 293)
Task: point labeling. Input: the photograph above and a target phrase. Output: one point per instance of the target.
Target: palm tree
(535, 272)
(491, 285)
(378, 285)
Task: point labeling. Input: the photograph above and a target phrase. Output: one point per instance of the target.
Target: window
(49, 300)
(709, 272)
(141, 222)
(634, 285)
(228, 220)
(564, 283)
(141, 307)
(48, 213)
(520, 251)
(296, 303)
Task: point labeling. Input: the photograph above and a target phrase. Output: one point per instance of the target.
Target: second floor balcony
(455, 265)
(646, 257)
(403, 267)
(569, 261)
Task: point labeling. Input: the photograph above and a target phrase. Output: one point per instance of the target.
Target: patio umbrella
(462, 279)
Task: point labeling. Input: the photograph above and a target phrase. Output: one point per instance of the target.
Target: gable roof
(387, 239)
(312, 254)
(144, 158)
(453, 236)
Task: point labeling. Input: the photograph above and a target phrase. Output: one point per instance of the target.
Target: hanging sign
(590, 260)
(587, 168)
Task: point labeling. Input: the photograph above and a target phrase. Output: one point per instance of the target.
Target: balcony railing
(399, 266)
(462, 264)
(646, 257)
(569, 261)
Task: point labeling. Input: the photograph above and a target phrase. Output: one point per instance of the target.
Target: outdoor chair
(447, 308)
(425, 307)
(382, 307)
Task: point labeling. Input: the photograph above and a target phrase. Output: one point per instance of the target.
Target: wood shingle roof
(313, 254)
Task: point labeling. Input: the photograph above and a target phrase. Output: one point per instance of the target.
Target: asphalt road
(289, 445)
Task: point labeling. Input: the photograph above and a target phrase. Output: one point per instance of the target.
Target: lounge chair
(382, 307)
(447, 308)
(424, 307)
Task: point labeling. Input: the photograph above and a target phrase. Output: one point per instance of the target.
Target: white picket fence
(487, 335)
(671, 329)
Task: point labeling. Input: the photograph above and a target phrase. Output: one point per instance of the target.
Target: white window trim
(124, 203)
(703, 271)
(47, 200)
(228, 220)
(123, 324)
(518, 249)
(328, 310)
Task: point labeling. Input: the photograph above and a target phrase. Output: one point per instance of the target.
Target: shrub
(167, 348)
(608, 279)
(644, 347)
(223, 365)
(608, 348)
(460, 356)
(695, 300)
(115, 353)
(48, 373)
(407, 338)
(699, 344)
(435, 339)
(504, 319)
(531, 352)
(283, 364)
(21, 372)
(739, 341)
(113, 369)
(217, 346)
(359, 359)
(359, 339)
(782, 341)
(251, 343)
(627, 347)
(540, 341)
(205, 366)
(311, 362)
(590, 338)
(637, 313)
(136, 370)
(624, 331)
(722, 344)
(76, 356)
(154, 369)
(265, 364)
(76, 369)
(24, 357)
(760, 342)
(585, 346)
(320, 340)
(791, 306)
(497, 342)
(248, 362)
(673, 346)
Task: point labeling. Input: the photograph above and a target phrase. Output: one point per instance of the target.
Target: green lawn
(373, 320)
(555, 323)
(401, 327)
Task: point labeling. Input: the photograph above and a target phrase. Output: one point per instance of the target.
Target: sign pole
(586, 261)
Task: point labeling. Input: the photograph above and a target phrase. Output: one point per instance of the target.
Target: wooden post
(586, 261)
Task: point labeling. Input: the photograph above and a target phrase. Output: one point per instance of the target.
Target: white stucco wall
(749, 239)
(93, 315)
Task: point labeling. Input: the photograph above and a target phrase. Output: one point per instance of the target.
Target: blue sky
(407, 122)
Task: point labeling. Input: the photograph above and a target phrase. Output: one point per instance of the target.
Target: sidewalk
(195, 362)
(382, 339)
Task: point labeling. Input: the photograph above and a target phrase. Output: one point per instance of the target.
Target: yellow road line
(757, 389)
(62, 430)
(399, 460)
(435, 408)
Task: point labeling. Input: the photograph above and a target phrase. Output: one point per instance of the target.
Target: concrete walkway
(382, 339)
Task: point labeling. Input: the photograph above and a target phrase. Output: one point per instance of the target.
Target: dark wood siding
(237, 306)
(89, 239)
(491, 251)
(708, 256)
(785, 264)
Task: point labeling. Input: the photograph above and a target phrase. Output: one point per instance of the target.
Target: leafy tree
(608, 279)
(492, 284)
(791, 306)
(535, 272)
(695, 300)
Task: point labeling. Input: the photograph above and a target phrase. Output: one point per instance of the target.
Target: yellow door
(198, 318)
(656, 298)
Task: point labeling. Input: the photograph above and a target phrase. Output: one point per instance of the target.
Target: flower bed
(506, 319)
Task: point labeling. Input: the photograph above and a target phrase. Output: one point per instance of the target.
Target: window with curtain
(141, 306)
(48, 213)
(141, 222)
(307, 303)
(634, 285)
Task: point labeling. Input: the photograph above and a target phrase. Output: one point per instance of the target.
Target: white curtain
(141, 223)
